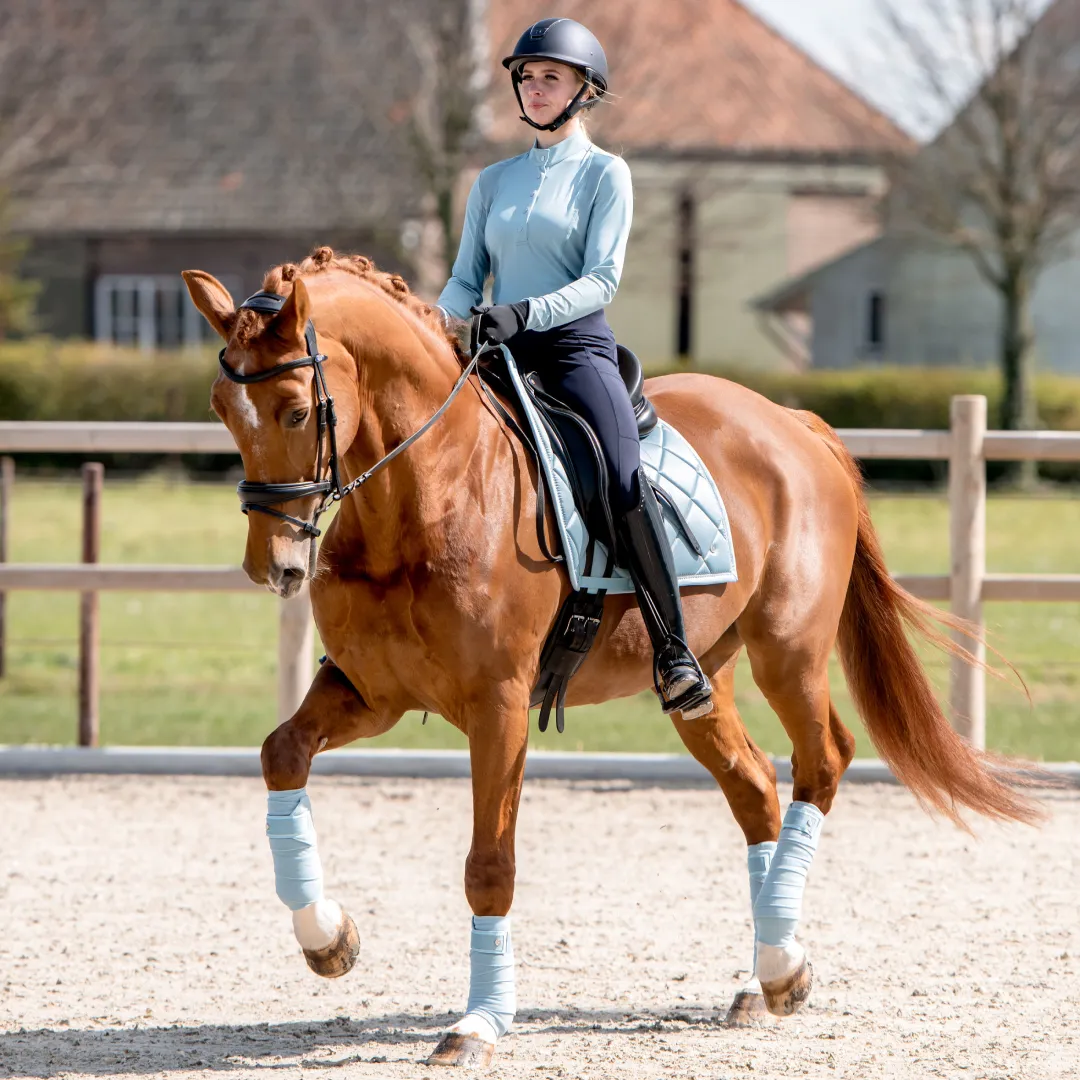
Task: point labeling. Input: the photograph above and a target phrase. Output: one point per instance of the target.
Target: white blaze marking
(245, 407)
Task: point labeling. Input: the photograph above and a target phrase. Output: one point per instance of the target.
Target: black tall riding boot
(680, 683)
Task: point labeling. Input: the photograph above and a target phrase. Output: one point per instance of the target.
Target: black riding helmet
(569, 43)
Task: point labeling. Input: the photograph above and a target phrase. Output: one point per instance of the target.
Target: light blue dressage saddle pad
(673, 465)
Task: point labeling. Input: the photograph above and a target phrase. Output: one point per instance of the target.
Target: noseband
(264, 497)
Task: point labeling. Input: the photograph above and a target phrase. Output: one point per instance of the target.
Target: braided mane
(325, 258)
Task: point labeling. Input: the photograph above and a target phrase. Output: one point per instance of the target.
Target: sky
(846, 37)
(826, 28)
(842, 35)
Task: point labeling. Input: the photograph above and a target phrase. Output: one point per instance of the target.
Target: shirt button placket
(532, 202)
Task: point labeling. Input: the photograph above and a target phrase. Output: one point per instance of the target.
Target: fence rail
(895, 444)
(967, 446)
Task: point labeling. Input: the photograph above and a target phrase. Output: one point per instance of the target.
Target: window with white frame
(152, 311)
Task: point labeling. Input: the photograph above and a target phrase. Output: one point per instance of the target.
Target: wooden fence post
(296, 642)
(967, 518)
(93, 474)
(7, 486)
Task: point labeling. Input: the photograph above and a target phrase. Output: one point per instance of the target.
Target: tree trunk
(1018, 405)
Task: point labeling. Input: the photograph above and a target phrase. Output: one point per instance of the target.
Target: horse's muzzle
(289, 582)
(285, 578)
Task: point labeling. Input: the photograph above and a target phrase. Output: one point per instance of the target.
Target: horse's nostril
(292, 574)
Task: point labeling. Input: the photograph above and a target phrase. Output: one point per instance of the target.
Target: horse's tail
(889, 684)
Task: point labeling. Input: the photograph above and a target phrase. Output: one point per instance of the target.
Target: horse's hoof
(788, 995)
(338, 957)
(465, 1051)
(747, 1010)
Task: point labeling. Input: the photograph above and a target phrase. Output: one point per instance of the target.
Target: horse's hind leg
(332, 714)
(721, 743)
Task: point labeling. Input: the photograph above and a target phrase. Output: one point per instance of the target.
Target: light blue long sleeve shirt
(551, 227)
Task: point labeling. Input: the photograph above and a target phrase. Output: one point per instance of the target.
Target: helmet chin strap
(577, 105)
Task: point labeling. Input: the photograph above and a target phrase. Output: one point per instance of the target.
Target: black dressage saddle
(574, 441)
(577, 445)
(634, 378)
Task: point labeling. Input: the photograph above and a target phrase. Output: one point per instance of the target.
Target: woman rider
(551, 226)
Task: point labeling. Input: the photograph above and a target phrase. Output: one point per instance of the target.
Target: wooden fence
(967, 446)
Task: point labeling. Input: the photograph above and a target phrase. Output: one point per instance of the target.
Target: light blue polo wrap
(492, 993)
(779, 903)
(290, 829)
(758, 860)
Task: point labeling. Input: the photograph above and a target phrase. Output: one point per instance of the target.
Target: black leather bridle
(264, 497)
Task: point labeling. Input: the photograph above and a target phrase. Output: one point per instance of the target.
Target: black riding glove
(500, 322)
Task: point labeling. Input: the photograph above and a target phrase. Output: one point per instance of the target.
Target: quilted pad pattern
(672, 463)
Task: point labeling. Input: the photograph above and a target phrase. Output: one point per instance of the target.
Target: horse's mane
(325, 258)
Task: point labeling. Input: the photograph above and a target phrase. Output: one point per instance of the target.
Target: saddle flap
(580, 450)
(692, 509)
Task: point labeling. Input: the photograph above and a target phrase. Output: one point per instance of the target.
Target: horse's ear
(212, 299)
(290, 322)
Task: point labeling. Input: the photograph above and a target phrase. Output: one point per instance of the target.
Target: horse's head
(269, 393)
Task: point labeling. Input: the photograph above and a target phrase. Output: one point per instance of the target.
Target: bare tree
(52, 97)
(1002, 181)
(427, 99)
(17, 295)
(447, 102)
(45, 112)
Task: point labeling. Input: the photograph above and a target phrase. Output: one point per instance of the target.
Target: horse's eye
(298, 417)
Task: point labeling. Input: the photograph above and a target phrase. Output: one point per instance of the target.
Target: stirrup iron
(686, 690)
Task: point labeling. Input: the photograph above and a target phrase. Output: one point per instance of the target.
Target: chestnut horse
(431, 593)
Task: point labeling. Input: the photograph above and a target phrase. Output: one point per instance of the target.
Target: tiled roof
(209, 114)
(278, 115)
(702, 76)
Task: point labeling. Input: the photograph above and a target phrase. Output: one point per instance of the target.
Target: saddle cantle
(634, 377)
(572, 471)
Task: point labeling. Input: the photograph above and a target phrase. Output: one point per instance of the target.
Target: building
(751, 164)
(910, 298)
(175, 134)
(230, 137)
(917, 304)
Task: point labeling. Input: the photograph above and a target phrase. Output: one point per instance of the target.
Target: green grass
(191, 668)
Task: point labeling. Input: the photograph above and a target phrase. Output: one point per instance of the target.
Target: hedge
(908, 397)
(43, 379)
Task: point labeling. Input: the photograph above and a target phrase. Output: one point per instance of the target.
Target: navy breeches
(577, 364)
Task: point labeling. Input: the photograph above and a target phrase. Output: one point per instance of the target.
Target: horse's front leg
(497, 745)
(332, 714)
